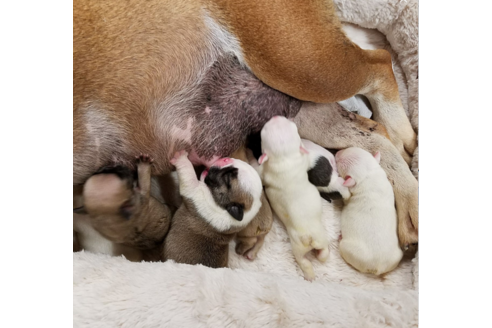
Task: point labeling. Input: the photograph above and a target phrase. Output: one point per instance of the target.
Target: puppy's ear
(303, 150)
(349, 182)
(377, 156)
(80, 210)
(263, 158)
(236, 211)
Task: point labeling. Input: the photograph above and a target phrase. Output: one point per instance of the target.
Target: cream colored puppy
(283, 169)
(369, 233)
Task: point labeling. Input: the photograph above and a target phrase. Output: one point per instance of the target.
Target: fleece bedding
(270, 291)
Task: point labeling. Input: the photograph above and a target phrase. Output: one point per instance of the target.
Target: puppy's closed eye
(126, 210)
(236, 211)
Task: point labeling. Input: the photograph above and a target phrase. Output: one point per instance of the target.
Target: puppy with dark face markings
(323, 172)
(250, 239)
(224, 201)
(122, 209)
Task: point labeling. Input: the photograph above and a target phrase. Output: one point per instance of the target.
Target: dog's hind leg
(382, 91)
(312, 59)
(331, 126)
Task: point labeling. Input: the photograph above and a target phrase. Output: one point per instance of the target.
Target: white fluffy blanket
(270, 291)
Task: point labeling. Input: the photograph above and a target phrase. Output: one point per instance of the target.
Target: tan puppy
(250, 239)
(158, 76)
(88, 239)
(221, 203)
(124, 212)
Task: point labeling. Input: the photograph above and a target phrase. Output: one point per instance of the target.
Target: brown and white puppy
(158, 76)
(283, 170)
(250, 239)
(221, 203)
(122, 209)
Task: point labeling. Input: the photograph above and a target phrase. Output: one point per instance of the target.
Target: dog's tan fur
(250, 239)
(132, 59)
(298, 52)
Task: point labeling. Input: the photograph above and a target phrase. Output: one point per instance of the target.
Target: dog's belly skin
(230, 104)
(224, 107)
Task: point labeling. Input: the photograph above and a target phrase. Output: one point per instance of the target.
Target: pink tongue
(203, 175)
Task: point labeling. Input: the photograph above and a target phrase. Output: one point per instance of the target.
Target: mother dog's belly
(210, 118)
(229, 104)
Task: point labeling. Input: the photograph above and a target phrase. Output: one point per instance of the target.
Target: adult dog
(157, 76)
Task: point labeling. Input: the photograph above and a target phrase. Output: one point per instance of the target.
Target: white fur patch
(366, 39)
(183, 134)
(223, 39)
(89, 238)
(103, 132)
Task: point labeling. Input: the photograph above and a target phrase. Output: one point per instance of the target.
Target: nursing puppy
(250, 239)
(368, 221)
(221, 203)
(122, 209)
(323, 172)
(283, 169)
(161, 76)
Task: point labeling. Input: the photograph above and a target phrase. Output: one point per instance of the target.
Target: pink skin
(222, 162)
(197, 160)
(262, 158)
(226, 161)
(203, 175)
(304, 150)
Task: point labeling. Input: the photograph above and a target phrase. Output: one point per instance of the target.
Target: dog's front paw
(179, 156)
(405, 144)
(407, 205)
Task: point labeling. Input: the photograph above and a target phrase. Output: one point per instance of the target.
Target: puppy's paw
(322, 254)
(405, 144)
(144, 158)
(179, 156)
(309, 276)
(243, 247)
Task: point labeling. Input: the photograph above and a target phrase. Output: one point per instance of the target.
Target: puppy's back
(192, 241)
(369, 226)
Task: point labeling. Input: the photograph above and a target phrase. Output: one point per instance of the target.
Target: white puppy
(368, 222)
(283, 169)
